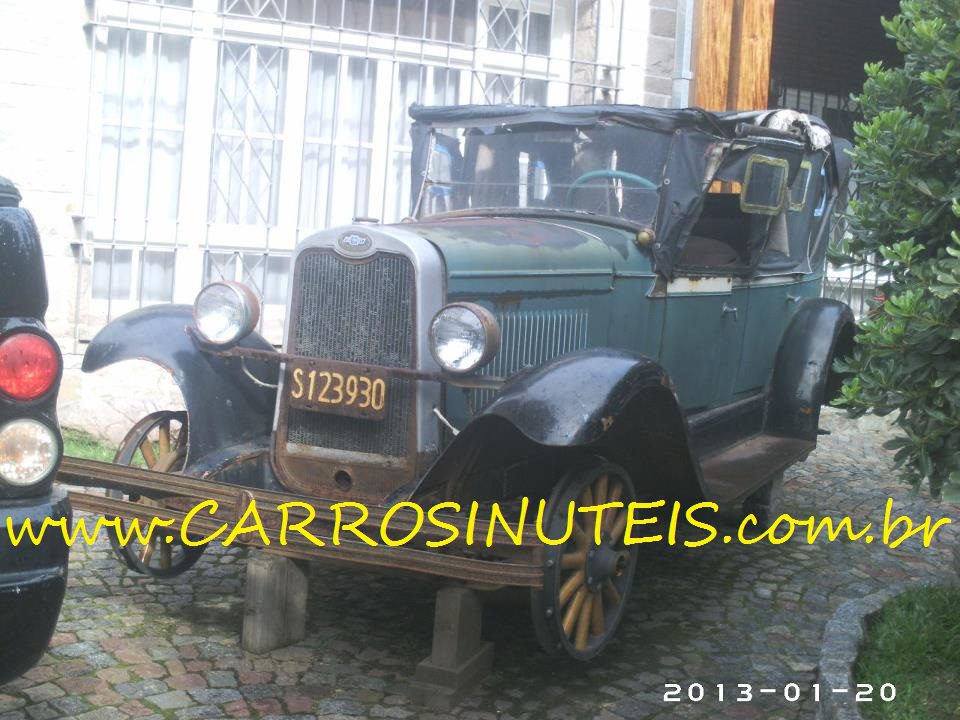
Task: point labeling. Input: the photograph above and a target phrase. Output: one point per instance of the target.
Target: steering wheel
(608, 175)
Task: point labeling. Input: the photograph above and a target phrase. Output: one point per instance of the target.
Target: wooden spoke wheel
(157, 442)
(585, 586)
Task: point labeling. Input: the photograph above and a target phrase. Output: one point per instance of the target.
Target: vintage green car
(599, 303)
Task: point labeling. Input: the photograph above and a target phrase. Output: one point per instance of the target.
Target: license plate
(337, 388)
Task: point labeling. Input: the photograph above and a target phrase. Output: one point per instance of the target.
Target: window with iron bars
(338, 140)
(248, 137)
(142, 118)
(451, 21)
(264, 133)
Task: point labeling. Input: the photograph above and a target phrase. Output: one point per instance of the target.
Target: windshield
(605, 169)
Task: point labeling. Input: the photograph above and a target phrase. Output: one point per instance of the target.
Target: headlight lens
(226, 312)
(29, 366)
(28, 452)
(464, 337)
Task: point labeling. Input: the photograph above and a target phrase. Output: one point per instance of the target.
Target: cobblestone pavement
(132, 647)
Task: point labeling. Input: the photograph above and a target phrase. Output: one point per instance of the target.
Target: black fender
(33, 580)
(803, 376)
(224, 406)
(610, 403)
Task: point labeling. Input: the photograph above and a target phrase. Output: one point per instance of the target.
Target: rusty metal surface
(504, 563)
(475, 381)
(732, 474)
(353, 459)
(223, 405)
(306, 389)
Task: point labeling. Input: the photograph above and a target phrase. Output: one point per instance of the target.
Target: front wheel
(157, 442)
(585, 585)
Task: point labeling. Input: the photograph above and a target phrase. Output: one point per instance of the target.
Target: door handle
(795, 299)
(727, 310)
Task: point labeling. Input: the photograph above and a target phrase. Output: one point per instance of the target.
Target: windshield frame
(425, 181)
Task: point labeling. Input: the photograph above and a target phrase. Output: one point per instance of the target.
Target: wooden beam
(713, 27)
(751, 50)
(734, 41)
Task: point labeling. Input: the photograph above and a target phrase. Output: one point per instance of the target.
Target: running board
(732, 474)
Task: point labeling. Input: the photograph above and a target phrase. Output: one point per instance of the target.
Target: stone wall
(649, 59)
(661, 53)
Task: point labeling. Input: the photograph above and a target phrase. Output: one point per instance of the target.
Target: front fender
(224, 407)
(803, 378)
(606, 402)
(574, 399)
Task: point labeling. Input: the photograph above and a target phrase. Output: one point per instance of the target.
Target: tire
(586, 587)
(157, 442)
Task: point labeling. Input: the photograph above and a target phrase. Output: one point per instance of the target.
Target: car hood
(510, 246)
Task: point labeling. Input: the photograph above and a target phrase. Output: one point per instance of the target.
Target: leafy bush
(907, 160)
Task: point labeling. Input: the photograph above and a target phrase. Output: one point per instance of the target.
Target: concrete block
(460, 658)
(276, 602)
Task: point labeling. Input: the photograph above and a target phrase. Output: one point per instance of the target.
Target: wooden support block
(460, 658)
(276, 602)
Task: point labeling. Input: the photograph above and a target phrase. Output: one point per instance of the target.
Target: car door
(770, 305)
(774, 295)
(702, 337)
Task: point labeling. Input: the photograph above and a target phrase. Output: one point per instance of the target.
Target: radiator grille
(530, 338)
(362, 313)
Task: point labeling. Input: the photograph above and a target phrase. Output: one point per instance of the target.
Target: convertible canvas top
(722, 124)
(693, 162)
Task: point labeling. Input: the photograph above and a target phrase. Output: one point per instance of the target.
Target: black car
(33, 577)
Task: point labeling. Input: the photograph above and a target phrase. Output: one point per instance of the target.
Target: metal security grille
(361, 313)
(246, 144)
(236, 128)
(840, 112)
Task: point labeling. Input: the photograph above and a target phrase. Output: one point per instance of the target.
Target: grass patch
(77, 443)
(914, 643)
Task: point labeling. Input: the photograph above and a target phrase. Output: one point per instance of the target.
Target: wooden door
(733, 45)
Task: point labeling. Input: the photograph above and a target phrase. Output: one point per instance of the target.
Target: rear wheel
(585, 585)
(157, 442)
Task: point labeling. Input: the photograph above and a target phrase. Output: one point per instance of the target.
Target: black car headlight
(226, 312)
(464, 337)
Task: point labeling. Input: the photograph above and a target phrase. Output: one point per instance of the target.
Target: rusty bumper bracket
(510, 565)
(482, 382)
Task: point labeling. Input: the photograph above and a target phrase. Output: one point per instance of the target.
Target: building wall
(43, 109)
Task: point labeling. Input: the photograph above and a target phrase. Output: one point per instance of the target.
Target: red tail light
(29, 365)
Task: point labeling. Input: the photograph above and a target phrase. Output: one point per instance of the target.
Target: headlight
(28, 452)
(464, 337)
(226, 312)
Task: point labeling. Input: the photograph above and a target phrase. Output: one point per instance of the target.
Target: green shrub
(907, 160)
